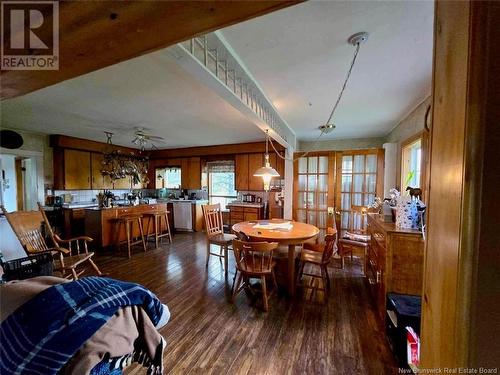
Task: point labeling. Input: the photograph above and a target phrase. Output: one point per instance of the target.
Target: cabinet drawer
(236, 209)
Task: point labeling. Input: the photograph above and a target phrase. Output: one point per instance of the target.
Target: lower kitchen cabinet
(237, 214)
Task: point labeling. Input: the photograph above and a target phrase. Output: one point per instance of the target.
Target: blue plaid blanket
(42, 335)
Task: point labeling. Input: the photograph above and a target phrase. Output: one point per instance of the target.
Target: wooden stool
(156, 217)
(128, 221)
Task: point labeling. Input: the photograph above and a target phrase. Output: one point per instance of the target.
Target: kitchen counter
(245, 204)
(100, 223)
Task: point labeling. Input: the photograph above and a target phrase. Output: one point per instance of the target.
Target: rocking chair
(67, 253)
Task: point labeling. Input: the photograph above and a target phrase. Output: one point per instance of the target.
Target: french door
(359, 179)
(314, 190)
(338, 180)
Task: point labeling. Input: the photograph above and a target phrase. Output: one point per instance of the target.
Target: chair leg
(274, 281)
(75, 275)
(127, 226)
(208, 252)
(167, 227)
(225, 259)
(264, 293)
(94, 266)
(327, 277)
(236, 289)
(234, 280)
(141, 230)
(299, 273)
(156, 230)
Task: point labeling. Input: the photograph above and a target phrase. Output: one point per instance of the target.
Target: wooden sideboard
(394, 261)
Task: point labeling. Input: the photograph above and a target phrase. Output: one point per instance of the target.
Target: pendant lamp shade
(266, 172)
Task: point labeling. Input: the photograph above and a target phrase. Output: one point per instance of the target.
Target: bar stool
(155, 218)
(128, 223)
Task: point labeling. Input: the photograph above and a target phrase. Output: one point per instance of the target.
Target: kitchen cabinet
(98, 180)
(247, 164)
(77, 170)
(255, 161)
(122, 183)
(191, 173)
(238, 213)
(241, 172)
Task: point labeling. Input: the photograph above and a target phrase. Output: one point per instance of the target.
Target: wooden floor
(207, 334)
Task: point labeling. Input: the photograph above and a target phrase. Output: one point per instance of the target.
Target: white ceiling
(300, 57)
(151, 91)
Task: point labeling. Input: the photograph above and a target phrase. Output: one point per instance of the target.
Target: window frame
(209, 184)
(423, 136)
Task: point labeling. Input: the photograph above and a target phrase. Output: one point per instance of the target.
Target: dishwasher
(183, 215)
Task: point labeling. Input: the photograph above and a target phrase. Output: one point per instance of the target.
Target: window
(358, 184)
(169, 178)
(312, 192)
(221, 184)
(411, 164)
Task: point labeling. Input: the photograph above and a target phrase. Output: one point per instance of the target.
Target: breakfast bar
(100, 223)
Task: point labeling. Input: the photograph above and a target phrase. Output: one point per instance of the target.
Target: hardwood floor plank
(207, 334)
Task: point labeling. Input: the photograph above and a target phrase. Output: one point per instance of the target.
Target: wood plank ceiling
(94, 35)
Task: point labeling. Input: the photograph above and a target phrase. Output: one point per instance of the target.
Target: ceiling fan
(142, 138)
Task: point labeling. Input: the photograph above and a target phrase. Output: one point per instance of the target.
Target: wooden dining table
(297, 235)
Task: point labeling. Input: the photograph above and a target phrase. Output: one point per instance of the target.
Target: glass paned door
(357, 185)
(313, 190)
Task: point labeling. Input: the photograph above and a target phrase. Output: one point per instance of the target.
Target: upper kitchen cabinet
(255, 161)
(241, 172)
(98, 180)
(191, 173)
(76, 171)
(247, 164)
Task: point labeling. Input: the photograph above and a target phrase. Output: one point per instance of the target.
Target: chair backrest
(330, 239)
(212, 214)
(357, 219)
(254, 256)
(27, 227)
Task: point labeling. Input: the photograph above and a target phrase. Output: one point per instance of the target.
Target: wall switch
(330, 211)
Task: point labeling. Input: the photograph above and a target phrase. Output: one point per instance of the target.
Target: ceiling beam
(97, 34)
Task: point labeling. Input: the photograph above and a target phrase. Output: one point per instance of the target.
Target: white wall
(9, 195)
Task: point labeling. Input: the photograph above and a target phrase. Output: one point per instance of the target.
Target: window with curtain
(221, 182)
(312, 192)
(169, 178)
(358, 185)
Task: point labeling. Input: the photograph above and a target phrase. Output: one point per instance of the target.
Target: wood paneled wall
(461, 289)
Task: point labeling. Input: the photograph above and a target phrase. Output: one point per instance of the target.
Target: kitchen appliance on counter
(249, 198)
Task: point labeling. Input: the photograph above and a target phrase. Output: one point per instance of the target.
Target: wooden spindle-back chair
(356, 237)
(254, 260)
(68, 254)
(319, 257)
(214, 228)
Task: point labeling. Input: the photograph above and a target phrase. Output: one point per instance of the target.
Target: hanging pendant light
(266, 172)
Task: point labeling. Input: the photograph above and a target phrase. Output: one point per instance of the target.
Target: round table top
(299, 233)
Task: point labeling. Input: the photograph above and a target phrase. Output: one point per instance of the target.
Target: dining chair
(355, 237)
(214, 228)
(254, 260)
(318, 257)
(69, 254)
